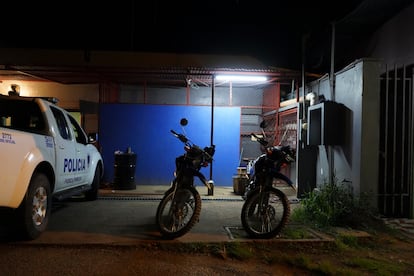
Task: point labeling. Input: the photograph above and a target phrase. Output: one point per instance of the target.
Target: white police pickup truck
(44, 155)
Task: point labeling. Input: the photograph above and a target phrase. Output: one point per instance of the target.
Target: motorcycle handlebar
(262, 141)
(185, 140)
(180, 136)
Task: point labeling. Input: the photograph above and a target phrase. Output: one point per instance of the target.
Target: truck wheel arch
(47, 169)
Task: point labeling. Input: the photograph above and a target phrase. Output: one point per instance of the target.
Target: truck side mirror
(92, 137)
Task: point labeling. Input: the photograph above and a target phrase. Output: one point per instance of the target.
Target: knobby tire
(178, 212)
(271, 219)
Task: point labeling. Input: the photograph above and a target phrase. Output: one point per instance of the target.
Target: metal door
(395, 190)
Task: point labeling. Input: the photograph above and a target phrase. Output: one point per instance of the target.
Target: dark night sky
(268, 30)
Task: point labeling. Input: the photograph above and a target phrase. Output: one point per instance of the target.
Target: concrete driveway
(128, 217)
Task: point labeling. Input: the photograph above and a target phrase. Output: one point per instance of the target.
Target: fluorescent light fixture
(241, 78)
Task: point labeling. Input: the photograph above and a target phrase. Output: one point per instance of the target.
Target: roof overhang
(86, 67)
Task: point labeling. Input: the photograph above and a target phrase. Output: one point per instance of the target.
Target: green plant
(343, 242)
(383, 267)
(239, 251)
(295, 231)
(330, 205)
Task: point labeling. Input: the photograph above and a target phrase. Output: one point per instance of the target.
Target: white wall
(357, 87)
(68, 95)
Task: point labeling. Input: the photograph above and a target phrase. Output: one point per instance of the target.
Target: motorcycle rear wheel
(178, 211)
(264, 214)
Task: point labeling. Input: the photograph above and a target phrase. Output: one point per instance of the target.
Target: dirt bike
(180, 207)
(266, 209)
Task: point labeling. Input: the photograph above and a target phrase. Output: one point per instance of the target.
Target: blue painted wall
(146, 129)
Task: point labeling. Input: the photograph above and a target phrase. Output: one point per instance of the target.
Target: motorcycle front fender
(202, 178)
(190, 172)
(278, 175)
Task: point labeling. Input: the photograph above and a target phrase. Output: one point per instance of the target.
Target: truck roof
(53, 100)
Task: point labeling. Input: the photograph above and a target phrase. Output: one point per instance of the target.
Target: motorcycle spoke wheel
(179, 216)
(178, 212)
(264, 214)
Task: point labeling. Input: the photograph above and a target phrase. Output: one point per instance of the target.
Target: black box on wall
(326, 124)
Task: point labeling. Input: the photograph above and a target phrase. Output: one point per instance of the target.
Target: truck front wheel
(92, 194)
(36, 207)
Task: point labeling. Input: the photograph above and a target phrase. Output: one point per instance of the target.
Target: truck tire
(36, 207)
(92, 194)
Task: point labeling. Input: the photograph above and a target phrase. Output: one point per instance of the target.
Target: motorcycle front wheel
(265, 213)
(178, 211)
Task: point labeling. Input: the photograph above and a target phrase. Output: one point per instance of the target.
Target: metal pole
(211, 182)
(332, 84)
(394, 143)
(403, 137)
(386, 129)
(410, 147)
(303, 78)
(332, 79)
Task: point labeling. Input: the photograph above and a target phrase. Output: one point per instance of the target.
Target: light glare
(241, 78)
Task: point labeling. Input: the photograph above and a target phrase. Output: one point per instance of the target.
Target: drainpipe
(332, 86)
(332, 78)
(303, 79)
